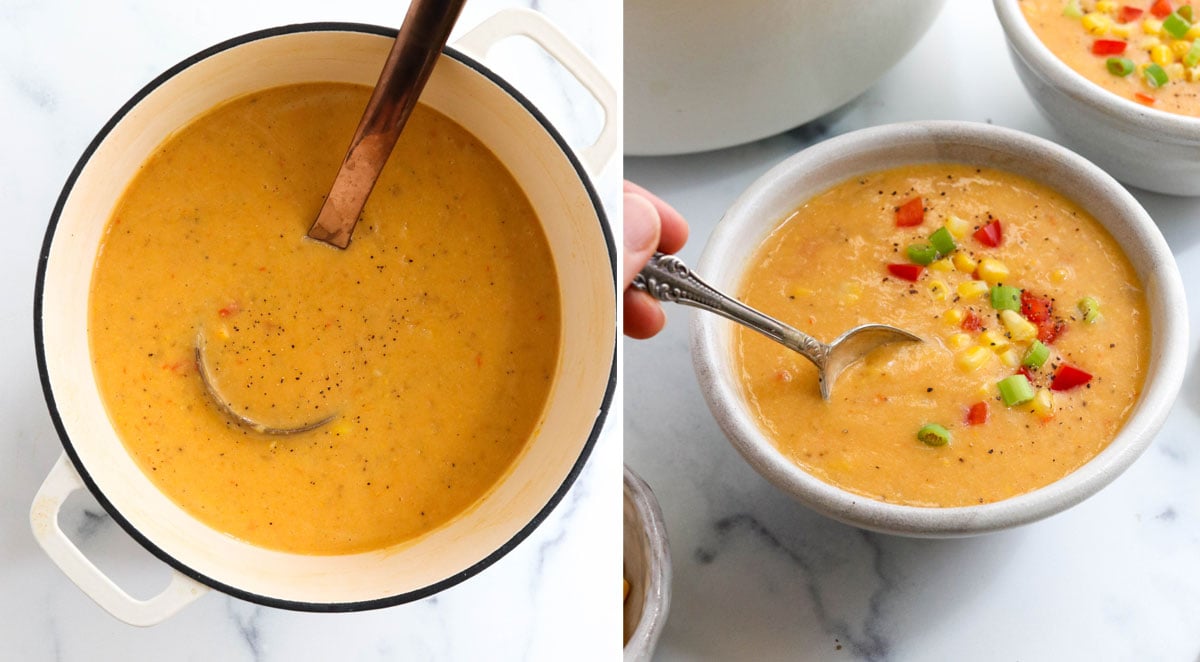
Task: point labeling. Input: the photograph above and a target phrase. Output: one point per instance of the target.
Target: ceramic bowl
(761, 207)
(1139, 145)
(706, 75)
(647, 568)
(557, 185)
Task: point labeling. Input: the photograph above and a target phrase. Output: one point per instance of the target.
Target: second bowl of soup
(1050, 309)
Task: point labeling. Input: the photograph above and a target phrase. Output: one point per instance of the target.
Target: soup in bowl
(272, 336)
(1048, 304)
(1139, 120)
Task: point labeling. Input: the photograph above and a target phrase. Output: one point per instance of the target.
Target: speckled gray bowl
(757, 212)
(648, 569)
(1141, 146)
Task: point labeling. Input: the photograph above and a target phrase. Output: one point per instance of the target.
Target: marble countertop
(65, 67)
(759, 577)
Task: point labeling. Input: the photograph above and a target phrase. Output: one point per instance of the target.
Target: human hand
(651, 225)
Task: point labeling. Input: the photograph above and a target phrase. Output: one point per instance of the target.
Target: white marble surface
(65, 67)
(758, 577)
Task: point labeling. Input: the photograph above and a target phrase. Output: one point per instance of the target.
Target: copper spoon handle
(425, 30)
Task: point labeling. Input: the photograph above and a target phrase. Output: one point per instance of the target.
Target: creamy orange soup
(431, 341)
(844, 259)
(1146, 51)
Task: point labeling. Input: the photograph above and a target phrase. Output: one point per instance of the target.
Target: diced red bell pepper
(911, 213)
(1128, 14)
(1034, 308)
(1144, 99)
(1108, 47)
(977, 414)
(1026, 372)
(990, 234)
(1050, 329)
(906, 271)
(232, 308)
(1068, 377)
(1161, 8)
(971, 322)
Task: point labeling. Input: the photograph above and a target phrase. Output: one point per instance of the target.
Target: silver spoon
(409, 64)
(667, 278)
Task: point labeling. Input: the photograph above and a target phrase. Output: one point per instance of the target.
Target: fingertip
(644, 316)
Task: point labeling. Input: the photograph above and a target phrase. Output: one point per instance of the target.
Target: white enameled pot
(557, 184)
(702, 75)
(759, 210)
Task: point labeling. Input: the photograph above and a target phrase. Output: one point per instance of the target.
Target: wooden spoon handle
(425, 30)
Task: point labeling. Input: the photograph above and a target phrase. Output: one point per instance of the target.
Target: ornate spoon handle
(667, 278)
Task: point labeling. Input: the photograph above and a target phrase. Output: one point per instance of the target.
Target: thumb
(641, 234)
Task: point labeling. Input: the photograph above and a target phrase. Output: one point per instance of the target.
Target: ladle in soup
(410, 62)
(667, 278)
(230, 410)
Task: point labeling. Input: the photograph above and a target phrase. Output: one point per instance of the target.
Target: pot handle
(525, 22)
(43, 517)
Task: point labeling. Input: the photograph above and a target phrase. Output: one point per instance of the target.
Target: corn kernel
(1019, 328)
(964, 263)
(994, 339)
(1180, 47)
(1175, 71)
(958, 341)
(974, 358)
(1042, 403)
(1152, 26)
(797, 292)
(1161, 55)
(954, 316)
(1060, 275)
(1193, 32)
(1122, 30)
(1107, 6)
(1098, 24)
(341, 428)
(1147, 43)
(1010, 357)
(986, 391)
(939, 290)
(851, 292)
(957, 227)
(972, 289)
(942, 265)
(1192, 75)
(223, 332)
(992, 270)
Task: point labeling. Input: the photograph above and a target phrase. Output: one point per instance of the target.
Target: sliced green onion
(922, 253)
(1156, 76)
(1006, 298)
(1186, 12)
(1072, 9)
(1090, 308)
(943, 241)
(1015, 390)
(1037, 355)
(1119, 66)
(1192, 57)
(1176, 25)
(933, 435)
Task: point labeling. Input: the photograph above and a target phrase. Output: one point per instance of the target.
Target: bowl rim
(52, 404)
(724, 399)
(1030, 48)
(644, 637)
